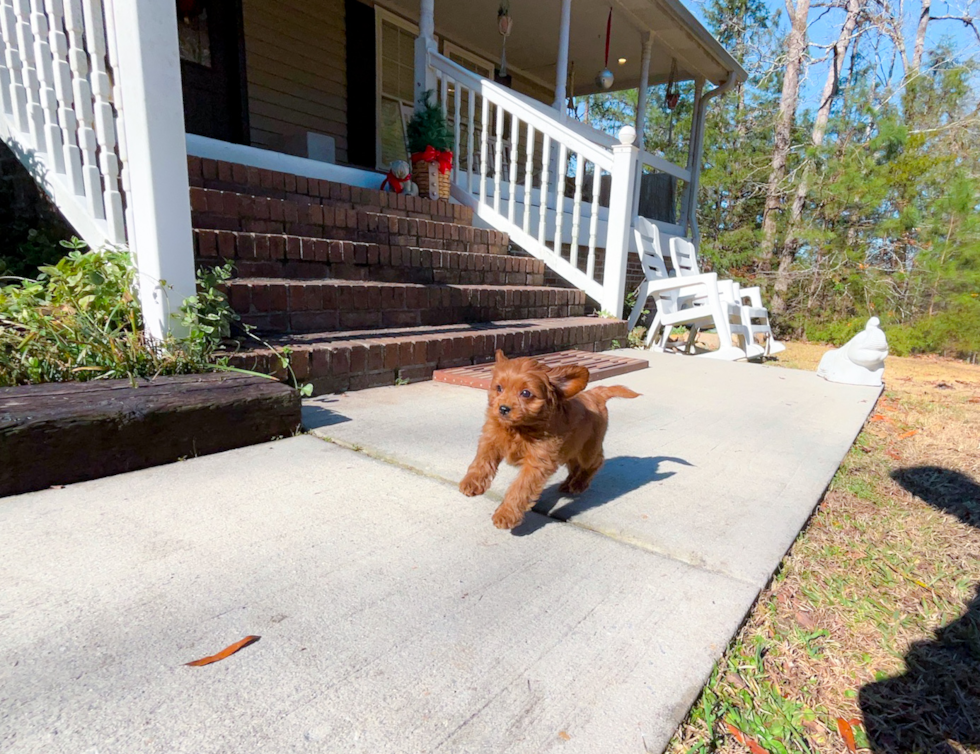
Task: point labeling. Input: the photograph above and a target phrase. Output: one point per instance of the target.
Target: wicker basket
(422, 173)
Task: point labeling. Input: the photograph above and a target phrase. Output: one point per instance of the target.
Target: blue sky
(825, 26)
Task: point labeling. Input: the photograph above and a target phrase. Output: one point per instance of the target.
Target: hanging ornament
(188, 10)
(604, 79)
(504, 25)
(571, 88)
(672, 96)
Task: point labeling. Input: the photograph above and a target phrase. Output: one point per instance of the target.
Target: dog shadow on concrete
(934, 706)
(617, 477)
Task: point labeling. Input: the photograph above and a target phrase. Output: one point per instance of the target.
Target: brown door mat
(599, 365)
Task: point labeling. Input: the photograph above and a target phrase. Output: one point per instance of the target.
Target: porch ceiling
(533, 44)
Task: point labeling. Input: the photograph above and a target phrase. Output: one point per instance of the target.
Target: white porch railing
(526, 195)
(117, 174)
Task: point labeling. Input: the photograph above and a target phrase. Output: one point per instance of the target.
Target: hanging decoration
(188, 10)
(672, 96)
(504, 25)
(571, 88)
(604, 79)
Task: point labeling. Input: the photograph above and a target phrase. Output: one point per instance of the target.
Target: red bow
(431, 154)
(394, 181)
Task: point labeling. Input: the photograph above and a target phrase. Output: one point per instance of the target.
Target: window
(396, 85)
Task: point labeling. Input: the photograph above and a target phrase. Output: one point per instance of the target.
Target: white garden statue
(861, 361)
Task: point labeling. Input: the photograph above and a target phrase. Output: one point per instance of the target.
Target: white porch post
(641, 112)
(152, 109)
(620, 226)
(692, 149)
(425, 79)
(641, 98)
(698, 141)
(561, 70)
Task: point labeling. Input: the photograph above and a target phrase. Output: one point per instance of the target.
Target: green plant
(616, 344)
(636, 337)
(79, 320)
(428, 127)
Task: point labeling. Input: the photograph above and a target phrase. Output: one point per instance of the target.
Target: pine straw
(874, 616)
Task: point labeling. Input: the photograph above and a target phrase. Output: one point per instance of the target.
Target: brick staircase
(369, 288)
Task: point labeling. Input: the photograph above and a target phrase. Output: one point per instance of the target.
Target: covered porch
(104, 102)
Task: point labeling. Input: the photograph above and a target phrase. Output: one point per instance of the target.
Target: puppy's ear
(500, 357)
(568, 381)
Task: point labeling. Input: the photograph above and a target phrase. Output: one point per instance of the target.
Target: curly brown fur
(538, 418)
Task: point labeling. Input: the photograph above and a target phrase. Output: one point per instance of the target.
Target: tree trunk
(792, 241)
(796, 45)
(920, 38)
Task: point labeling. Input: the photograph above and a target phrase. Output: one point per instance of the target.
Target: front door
(212, 67)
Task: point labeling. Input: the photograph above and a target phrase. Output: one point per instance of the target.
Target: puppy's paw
(574, 486)
(507, 517)
(472, 485)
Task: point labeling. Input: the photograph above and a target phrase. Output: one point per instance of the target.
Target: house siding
(296, 69)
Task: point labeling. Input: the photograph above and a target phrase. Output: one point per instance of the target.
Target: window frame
(382, 15)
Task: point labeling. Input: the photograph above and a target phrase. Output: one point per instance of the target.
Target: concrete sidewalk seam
(636, 544)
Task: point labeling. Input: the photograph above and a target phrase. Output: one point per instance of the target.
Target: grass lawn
(869, 635)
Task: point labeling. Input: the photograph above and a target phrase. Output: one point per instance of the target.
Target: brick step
(229, 210)
(281, 305)
(229, 176)
(338, 361)
(296, 257)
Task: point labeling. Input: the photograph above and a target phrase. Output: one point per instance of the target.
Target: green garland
(428, 127)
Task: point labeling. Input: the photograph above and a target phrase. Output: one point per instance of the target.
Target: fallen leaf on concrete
(226, 652)
(745, 740)
(907, 435)
(564, 736)
(847, 733)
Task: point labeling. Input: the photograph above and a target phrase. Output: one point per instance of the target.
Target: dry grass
(874, 617)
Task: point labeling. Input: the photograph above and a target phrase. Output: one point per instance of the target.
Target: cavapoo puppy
(539, 419)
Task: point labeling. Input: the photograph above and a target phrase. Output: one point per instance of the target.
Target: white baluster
(456, 95)
(25, 42)
(443, 87)
(576, 209)
(105, 130)
(593, 221)
(528, 177)
(562, 169)
(14, 71)
(515, 137)
(78, 62)
(484, 138)
(471, 114)
(498, 158)
(543, 191)
(46, 94)
(6, 108)
(119, 233)
(63, 90)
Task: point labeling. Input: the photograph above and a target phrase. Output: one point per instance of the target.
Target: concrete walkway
(393, 616)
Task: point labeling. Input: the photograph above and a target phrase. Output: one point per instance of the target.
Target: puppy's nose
(504, 410)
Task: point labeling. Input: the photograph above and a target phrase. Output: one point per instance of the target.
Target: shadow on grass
(936, 702)
(617, 477)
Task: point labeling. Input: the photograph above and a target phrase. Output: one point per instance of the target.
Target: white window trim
(448, 48)
(381, 15)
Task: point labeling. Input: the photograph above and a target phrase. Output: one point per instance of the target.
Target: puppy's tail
(613, 391)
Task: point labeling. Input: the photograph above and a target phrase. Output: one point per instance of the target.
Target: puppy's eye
(500, 388)
(526, 394)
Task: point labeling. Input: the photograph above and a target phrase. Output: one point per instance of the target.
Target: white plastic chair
(693, 300)
(754, 316)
